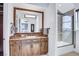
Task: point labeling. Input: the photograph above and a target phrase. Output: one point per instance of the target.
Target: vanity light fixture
(29, 16)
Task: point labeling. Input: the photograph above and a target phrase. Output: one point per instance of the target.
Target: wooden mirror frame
(22, 9)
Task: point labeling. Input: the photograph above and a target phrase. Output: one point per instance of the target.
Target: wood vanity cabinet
(28, 47)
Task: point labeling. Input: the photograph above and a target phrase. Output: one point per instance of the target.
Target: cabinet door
(44, 46)
(14, 48)
(36, 47)
(26, 48)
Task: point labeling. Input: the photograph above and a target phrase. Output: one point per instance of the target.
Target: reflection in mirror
(28, 21)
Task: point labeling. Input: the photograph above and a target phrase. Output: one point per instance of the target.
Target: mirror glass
(28, 21)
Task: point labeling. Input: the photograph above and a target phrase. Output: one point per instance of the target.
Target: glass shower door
(67, 29)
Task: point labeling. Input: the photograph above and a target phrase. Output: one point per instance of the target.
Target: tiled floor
(71, 54)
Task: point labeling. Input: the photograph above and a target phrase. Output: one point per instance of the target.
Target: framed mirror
(28, 21)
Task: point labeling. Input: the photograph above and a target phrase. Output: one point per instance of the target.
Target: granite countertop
(27, 37)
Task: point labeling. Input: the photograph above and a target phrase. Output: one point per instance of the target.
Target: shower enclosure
(65, 29)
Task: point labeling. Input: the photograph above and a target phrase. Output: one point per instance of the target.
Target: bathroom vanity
(28, 37)
(28, 46)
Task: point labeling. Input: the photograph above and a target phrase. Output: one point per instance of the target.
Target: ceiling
(45, 5)
(76, 5)
(64, 7)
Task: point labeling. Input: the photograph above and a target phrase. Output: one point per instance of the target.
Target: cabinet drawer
(44, 40)
(26, 41)
(41, 39)
(36, 40)
(12, 42)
